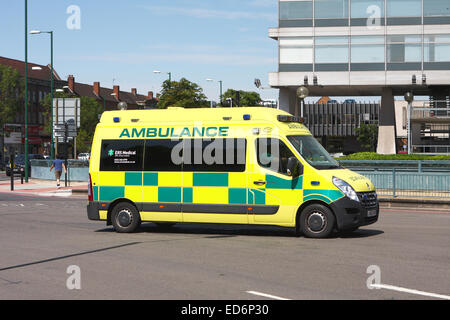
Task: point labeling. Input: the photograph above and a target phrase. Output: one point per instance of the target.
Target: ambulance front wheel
(316, 221)
(125, 218)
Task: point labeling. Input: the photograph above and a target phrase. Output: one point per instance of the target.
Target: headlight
(345, 188)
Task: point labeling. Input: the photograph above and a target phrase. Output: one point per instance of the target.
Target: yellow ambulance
(256, 166)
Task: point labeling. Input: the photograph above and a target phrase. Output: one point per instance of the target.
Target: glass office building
(363, 48)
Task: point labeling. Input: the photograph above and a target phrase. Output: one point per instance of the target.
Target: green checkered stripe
(185, 195)
(327, 196)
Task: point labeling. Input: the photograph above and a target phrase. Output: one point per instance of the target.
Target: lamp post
(409, 97)
(302, 93)
(52, 145)
(221, 88)
(168, 73)
(26, 92)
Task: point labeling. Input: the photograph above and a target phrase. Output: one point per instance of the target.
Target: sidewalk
(43, 188)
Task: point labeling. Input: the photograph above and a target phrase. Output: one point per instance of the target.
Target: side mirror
(294, 168)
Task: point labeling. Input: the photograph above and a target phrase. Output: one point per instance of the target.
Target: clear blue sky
(126, 40)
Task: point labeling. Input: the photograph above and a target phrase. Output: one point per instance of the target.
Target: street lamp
(221, 88)
(409, 97)
(302, 93)
(169, 73)
(34, 32)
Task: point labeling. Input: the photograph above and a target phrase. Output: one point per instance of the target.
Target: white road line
(412, 291)
(266, 295)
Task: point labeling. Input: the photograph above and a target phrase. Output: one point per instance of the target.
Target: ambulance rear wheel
(125, 218)
(317, 221)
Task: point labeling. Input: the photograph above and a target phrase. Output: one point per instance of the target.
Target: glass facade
(343, 12)
(370, 53)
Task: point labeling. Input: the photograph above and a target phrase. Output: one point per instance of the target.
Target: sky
(123, 42)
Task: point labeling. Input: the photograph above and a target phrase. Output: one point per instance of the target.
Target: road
(41, 237)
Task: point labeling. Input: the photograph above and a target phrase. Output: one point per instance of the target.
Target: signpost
(66, 121)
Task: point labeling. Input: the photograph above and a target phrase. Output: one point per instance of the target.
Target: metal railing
(406, 179)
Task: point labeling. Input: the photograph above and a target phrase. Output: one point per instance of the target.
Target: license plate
(371, 213)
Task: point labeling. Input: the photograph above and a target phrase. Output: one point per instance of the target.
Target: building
(363, 48)
(39, 87)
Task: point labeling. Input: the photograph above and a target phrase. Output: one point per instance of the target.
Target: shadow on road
(216, 231)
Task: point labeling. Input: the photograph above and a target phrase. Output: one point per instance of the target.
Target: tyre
(125, 218)
(316, 221)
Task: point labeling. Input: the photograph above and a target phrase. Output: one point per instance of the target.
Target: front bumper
(351, 214)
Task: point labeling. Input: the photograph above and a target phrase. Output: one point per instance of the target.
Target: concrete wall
(78, 170)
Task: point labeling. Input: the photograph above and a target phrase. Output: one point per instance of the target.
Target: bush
(376, 156)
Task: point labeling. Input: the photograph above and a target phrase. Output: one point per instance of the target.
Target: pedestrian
(58, 165)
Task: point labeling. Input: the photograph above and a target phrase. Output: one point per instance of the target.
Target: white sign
(66, 110)
(13, 138)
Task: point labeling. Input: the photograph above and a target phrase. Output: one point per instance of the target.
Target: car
(19, 163)
(332, 102)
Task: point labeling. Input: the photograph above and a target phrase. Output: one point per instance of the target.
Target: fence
(406, 179)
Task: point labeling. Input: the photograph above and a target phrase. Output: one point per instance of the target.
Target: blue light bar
(247, 117)
(116, 119)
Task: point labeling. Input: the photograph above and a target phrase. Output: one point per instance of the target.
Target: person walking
(58, 165)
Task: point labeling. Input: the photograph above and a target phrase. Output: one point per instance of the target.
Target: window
(404, 48)
(404, 8)
(367, 8)
(159, 156)
(331, 9)
(331, 50)
(313, 152)
(296, 50)
(292, 10)
(367, 49)
(273, 154)
(122, 155)
(434, 8)
(218, 155)
(437, 48)
(195, 155)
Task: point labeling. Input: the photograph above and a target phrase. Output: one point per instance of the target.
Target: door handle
(260, 183)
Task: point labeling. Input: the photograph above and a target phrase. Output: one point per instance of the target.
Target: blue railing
(409, 179)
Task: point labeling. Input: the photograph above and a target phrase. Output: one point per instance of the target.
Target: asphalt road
(41, 237)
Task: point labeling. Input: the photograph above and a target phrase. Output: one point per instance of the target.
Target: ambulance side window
(159, 157)
(273, 154)
(122, 155)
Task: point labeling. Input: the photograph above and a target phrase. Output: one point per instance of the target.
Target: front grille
(368, 199)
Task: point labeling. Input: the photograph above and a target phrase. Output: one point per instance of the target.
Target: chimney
(150, 95)
(116, 92)
(71, 83)
(97, 88)
(134, 91)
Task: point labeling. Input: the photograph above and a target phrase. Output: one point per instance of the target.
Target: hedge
(376, 156)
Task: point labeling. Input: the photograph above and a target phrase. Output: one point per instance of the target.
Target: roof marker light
(247, 117)
(116, 119)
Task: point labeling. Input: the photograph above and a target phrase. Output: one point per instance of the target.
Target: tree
(246, 98)
(183, 94)
(368, 136)
(11, 95)
(90, 108)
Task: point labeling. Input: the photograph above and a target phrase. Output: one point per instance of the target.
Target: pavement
(43, 188)
(50, 250)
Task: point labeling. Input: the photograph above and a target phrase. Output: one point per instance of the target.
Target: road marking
(266, 295)
(412, 291)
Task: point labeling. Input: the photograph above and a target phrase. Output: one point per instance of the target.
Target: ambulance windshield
(313, 152)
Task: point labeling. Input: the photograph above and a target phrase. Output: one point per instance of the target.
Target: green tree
(247, 98)
(11, 95)
(90, 108)
(368, 136)
(183, 94)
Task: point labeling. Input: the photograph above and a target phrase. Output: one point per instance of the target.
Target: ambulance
(252, 166)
